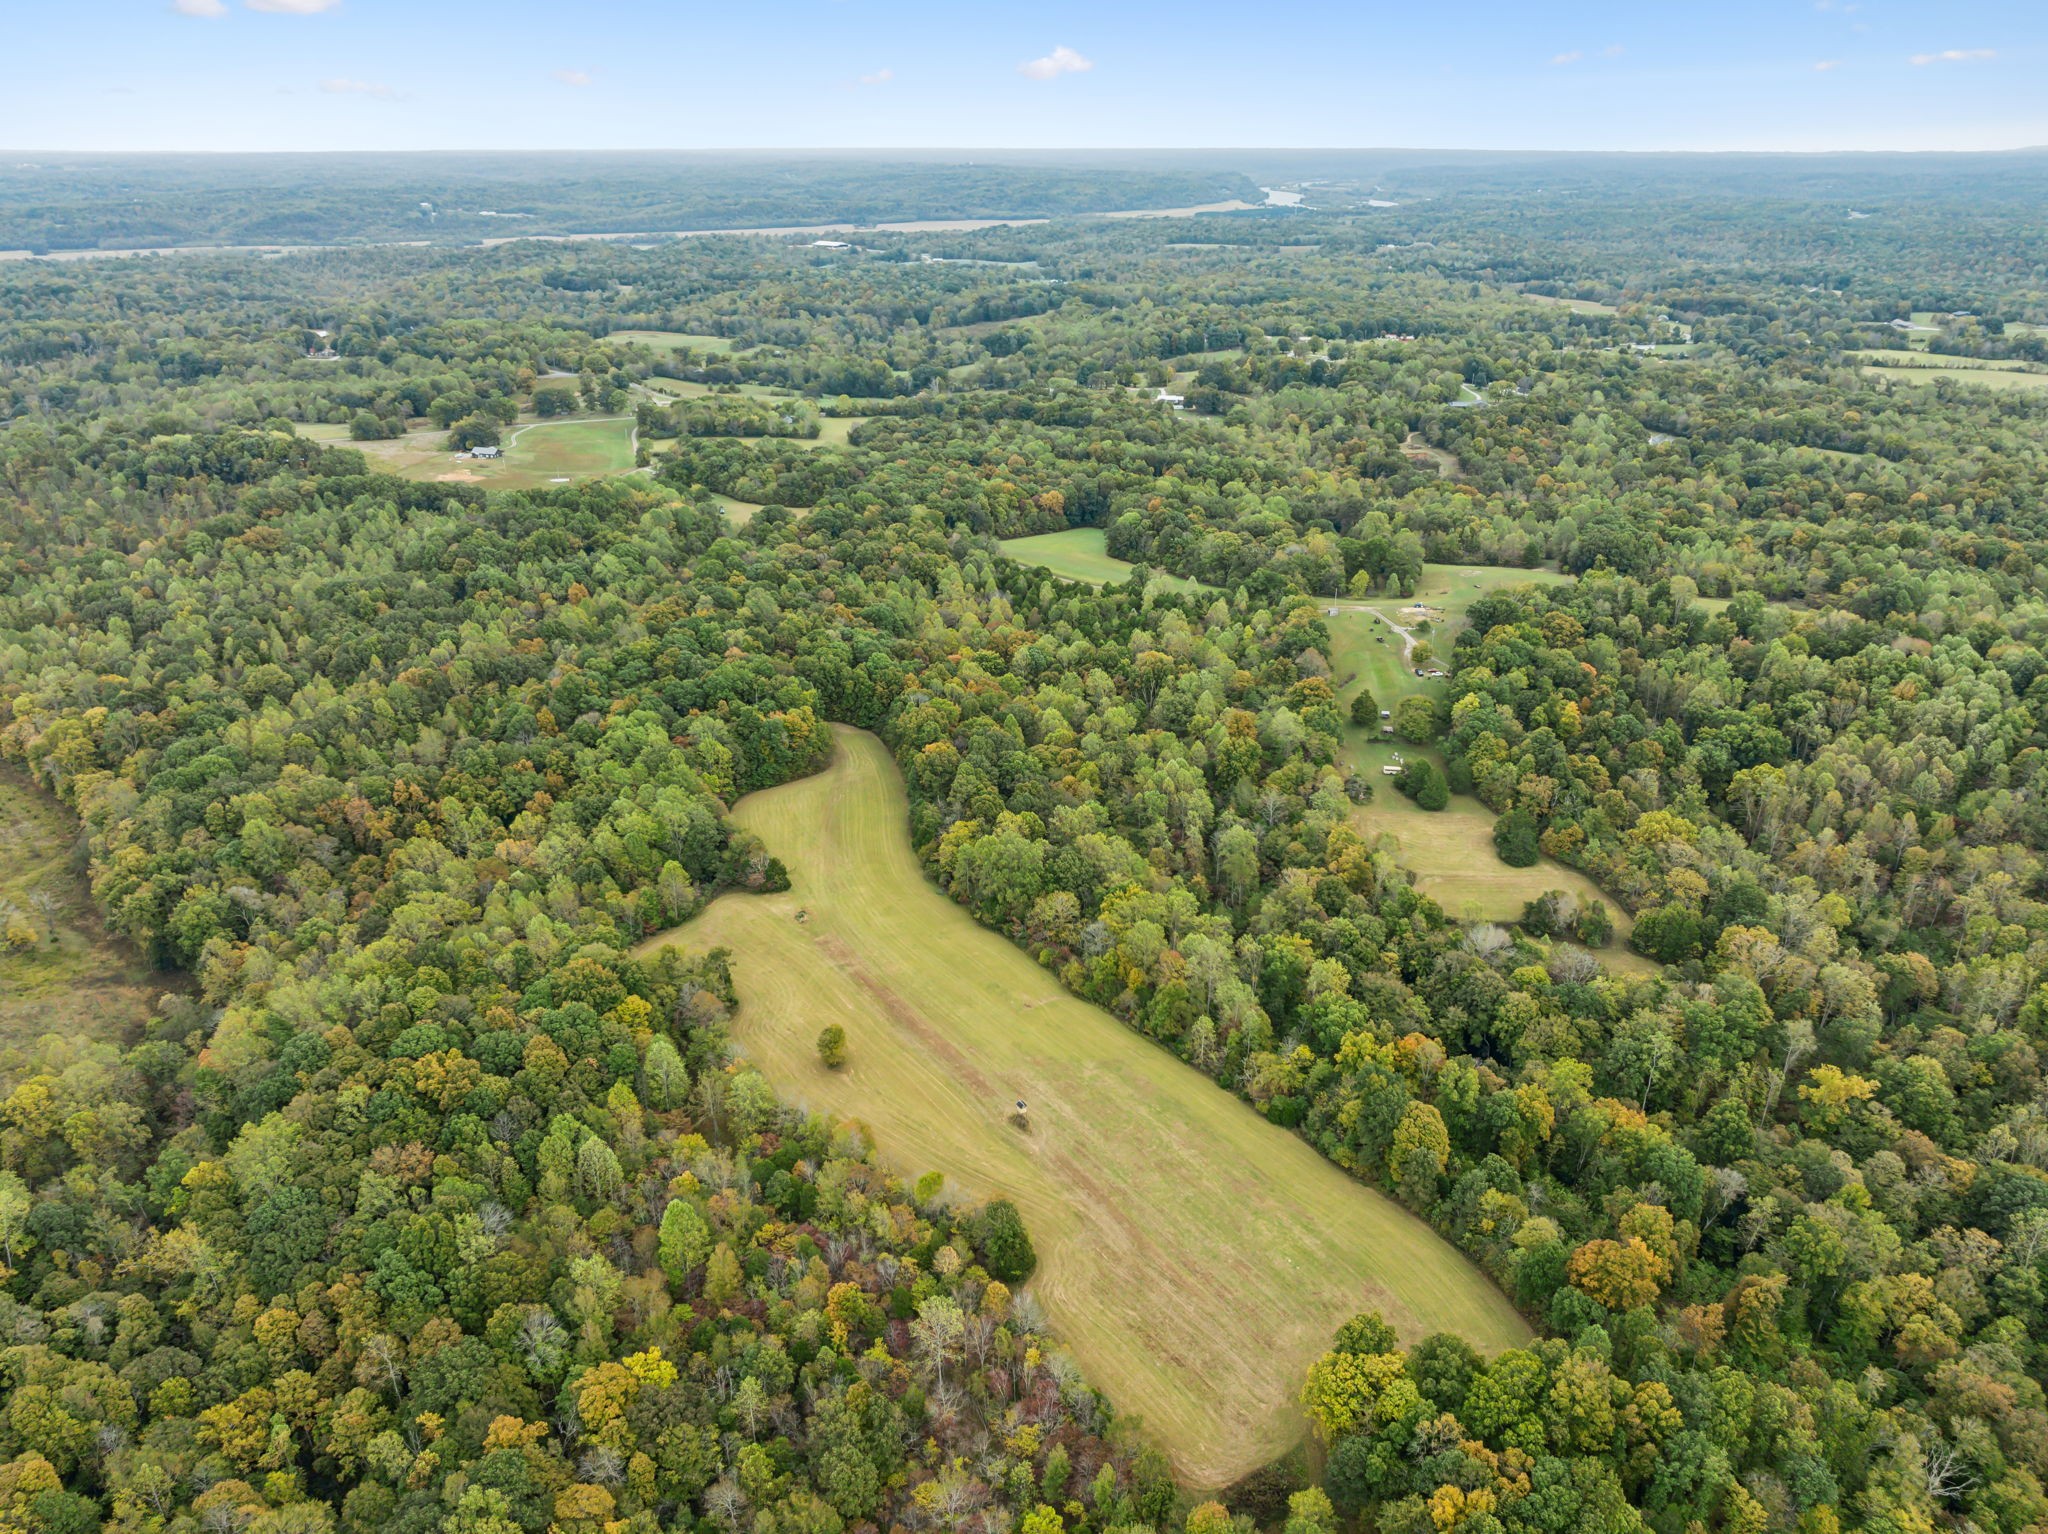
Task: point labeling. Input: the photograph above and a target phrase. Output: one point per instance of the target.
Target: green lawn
(75, 979)
(1193, 1256)
(1082, 554)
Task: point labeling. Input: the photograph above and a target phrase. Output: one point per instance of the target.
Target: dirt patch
(459, 477)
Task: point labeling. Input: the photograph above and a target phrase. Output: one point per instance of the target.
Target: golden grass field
(76, 980)
(1193, 1256)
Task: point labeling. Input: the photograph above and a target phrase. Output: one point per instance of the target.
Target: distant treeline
(88, 202)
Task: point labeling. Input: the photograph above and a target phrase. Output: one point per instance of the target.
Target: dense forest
(428, 1205)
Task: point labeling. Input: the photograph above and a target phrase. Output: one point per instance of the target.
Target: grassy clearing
(670, 341)
(683, 388)
(834, 430)
(1988, 375)
(1193, 1256)
(1445, 463)
(1082, 554)
(1450, 851)
(1936, 362)
(537, 455)
(75, 980)
(1576, 305)
(738, 513)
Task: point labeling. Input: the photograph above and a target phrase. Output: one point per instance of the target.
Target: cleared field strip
(1082, 554)
(1194, 1256)
(1925, 368)
(674, 341)
(74, 979)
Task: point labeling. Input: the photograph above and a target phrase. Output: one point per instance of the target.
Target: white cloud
(292, 7)
(879, 77)
(1613, 51)
(1061, 61)
(1954, 56)
(1827, 64)
(359, 88)
(577, 77)
(1567, 58)
(200, 7)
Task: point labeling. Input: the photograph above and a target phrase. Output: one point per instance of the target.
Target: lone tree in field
(1421, 781)
(1002, 1242)
(832, 1047)
(1515, 838)
(1365, 708)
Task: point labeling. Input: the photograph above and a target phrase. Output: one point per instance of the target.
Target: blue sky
(692, 74)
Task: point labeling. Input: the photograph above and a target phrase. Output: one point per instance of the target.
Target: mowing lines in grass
(1194, 1256)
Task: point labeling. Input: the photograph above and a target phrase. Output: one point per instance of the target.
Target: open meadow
(1926, 367)
(738, 513)
(538, 454)
(1576, 305)
(60, 972)
(668, 342)
(1193, 1256)
(685, 388)
(1082, 554)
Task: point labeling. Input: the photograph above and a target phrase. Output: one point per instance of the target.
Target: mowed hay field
(1193, 1256)
(75, 979)
(1082, 554)
(537, 456)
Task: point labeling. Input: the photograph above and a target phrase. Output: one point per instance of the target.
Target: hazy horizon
(242, 76)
